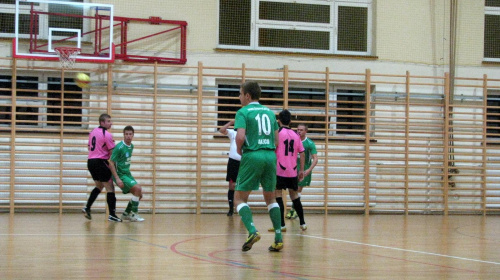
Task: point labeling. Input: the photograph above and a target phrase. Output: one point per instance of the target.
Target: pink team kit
(96, 150)
(290, 145)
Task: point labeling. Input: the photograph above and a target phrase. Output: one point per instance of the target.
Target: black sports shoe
(86, 213)
(114, 218)
(230, 213)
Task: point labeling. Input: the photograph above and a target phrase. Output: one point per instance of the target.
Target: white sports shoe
(303, 227)
(134, 217)
(126, 216)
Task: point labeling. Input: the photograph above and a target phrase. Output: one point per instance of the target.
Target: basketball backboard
(43, 25)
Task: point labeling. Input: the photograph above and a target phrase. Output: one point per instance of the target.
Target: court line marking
(121, 234)
(399, 249)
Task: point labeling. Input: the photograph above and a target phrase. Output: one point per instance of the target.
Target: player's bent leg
(111, 200)
(136, 191)
(93, 196)
(297, 204)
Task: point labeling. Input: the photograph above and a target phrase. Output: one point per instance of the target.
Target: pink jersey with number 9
(100, 143)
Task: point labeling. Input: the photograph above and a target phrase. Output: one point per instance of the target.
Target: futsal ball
(82, 80)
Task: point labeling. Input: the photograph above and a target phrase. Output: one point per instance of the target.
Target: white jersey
(231, 134)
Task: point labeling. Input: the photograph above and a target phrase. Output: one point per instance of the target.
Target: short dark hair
(303, 124)
(103, 117)
(252, 88)
(285, 117)
(128, 128)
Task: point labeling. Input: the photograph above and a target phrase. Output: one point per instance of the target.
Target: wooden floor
(208, 246)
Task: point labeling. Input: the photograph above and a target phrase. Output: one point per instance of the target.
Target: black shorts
(283, 183)
(99, 169)
(232, 170)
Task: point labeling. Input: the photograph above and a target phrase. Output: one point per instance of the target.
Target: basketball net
(67, 56)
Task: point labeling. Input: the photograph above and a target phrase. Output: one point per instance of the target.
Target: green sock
(129, 207)
(247, 218)
(135, 206)
(275, 214)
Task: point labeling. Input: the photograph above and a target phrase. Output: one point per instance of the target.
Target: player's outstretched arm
(223, 129)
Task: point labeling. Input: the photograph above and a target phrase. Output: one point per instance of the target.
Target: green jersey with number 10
(260, 125)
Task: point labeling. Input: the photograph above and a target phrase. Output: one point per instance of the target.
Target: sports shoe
(134, 217)
(86, 213)
(303, 227)
(252, 239)
(230, 213)
(290, 214)
(283, 229)
(294, 215)
(276, 246)
(114, 218)
(125, 216)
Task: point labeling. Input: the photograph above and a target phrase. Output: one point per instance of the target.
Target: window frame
(496, 12)
(331, 27)
(43, 31)
(333, 96)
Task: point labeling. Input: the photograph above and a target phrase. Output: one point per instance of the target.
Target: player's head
(249, 91)
(302, 130)
(284, 117)
(128, 134)
(105, 121)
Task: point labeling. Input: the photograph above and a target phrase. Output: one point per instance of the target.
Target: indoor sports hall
(401, 98)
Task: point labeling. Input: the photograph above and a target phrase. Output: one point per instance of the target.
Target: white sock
(272, 205)
(241, 205)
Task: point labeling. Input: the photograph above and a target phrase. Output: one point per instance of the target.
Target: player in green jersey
(256, 140)
(311, 159)
(119, 164)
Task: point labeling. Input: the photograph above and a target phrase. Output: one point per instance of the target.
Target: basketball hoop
(67, 56)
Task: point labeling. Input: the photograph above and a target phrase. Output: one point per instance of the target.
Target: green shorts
(306, 182)
(128, 182)
(257, 168)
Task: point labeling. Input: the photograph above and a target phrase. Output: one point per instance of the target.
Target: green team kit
(122, 156)
(258, 162)
(309, 150)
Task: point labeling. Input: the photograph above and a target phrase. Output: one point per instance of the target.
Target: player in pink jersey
(287, 152)
(100, 145)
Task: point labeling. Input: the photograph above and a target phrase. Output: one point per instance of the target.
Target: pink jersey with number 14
(100, 143)
(288, 148)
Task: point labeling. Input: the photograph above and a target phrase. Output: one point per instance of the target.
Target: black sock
(298, 208)
(93, 196)
(282, 210)
(111, 198)
(230, 198)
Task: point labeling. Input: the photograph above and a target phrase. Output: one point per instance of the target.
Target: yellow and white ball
(82, 80)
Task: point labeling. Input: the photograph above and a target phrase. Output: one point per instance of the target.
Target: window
(307, 104)
(72, 103)
(308, 26)
(7, 18)
(38, 102)
(350, 112)
(493, 116)
(492, 30)
(27, 105)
